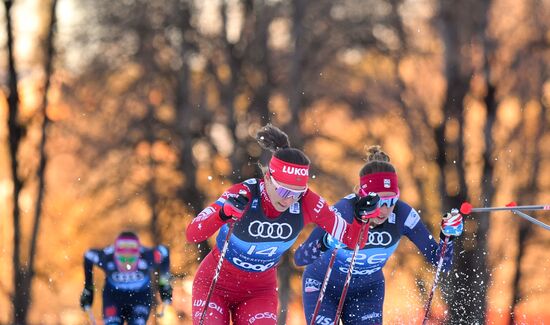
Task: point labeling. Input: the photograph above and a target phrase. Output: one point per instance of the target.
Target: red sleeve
(208, 221)
(316, 210)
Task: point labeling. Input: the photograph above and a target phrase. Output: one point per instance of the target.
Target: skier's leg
(112, 313)
(310, 292)
(139, 311)
(259, 309)
(365, 306)
(218, 308)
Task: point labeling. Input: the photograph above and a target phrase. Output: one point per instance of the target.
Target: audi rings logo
(270, 230)
(382, 238)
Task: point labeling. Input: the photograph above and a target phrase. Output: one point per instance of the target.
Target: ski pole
(324, 286)
(466, 208)
(436, 279)
(531, 219)
(90, 314)
(161, 313)
(350, 271)
(218, 269)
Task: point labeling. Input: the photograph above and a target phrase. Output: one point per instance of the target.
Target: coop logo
(312, 285)
(359, 272)
(382, 238)
(265, 315)
(273, 230)
(249, 266)
(123, 277)
(295, 171)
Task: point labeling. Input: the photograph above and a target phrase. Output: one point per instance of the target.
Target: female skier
(365, 296)
(269, 213)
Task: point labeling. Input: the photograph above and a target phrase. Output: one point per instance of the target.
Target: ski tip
(512, 204)
(466, 208)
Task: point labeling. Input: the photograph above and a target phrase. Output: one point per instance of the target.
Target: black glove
(367, 207)
(166, 293)
(87, 297)
(234, 206)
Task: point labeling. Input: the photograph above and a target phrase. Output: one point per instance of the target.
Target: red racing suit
(246, 290)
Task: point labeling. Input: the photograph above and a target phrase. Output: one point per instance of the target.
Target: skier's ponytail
(273, 139)
(377, 162)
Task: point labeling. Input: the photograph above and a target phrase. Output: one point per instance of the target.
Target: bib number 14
(267, 251)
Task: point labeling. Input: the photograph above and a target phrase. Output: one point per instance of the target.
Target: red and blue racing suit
(246, 291)
(365, 296)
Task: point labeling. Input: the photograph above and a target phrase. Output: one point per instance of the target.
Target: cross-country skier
(270, 214)
(365, 297)
(128, 267)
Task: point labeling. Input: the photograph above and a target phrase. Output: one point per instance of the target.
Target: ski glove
(328, 242)
(87, 297)
(452, 224)
(234, 206)
(166, 293)
(367, 207)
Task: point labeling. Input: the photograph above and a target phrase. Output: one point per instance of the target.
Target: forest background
(136, 113)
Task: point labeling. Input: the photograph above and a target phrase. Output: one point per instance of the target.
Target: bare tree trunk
(16, 131)
(286, 268)
(43, 158)
(469, 288)
(150, 188)
(526, 197)
(190, 125)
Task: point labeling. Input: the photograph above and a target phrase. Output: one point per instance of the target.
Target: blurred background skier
(129, 269)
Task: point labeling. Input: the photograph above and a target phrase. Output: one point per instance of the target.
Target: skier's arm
(91, 258)
(317, 210)
(87, 297)
(209, 220)
(162, 260)
(311, 249)
(417, 232)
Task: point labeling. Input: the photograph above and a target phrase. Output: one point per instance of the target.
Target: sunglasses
(127, 259)
(284, 192)
(388, 201)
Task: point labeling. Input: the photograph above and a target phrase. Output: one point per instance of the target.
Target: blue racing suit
(365, 296)
(127, 295)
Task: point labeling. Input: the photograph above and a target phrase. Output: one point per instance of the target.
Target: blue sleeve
(425, 242)
(90, 258)
(162, 259)
(310, 250)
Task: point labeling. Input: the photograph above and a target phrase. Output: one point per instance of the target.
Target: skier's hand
(87, 297)
(452, 224)
(166, 293)
(234, 206)
(367, 207)
(328, 242)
